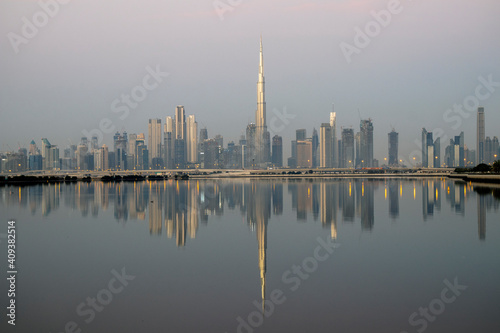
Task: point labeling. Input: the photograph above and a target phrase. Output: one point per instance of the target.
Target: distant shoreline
(130, 176)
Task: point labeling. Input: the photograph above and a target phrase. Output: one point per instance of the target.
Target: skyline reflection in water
(295, 210)
(177, 208)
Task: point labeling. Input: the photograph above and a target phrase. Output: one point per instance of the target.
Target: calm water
(255, 256)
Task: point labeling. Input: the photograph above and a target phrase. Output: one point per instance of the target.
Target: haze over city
(428, 58)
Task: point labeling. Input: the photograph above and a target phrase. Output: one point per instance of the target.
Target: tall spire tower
(262, 141)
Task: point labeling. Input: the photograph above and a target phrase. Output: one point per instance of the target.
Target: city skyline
(213, 75)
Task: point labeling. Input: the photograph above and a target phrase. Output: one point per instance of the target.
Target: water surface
(293, 255)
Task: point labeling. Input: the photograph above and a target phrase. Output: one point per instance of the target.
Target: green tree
(482, 168)
(496, 167)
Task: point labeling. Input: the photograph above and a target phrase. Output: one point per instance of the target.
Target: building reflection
(393, 188)
(488, 198)
(328, 205)
(258, 214)
(177, 209)
(181, 206)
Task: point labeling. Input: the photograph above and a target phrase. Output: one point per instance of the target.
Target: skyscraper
(437, 152)
(495, 149)
(424, 147)
(480, 136)
(431, 150)
(277, 158)
(154, 140)
(180, 122)
(315, 144)
(168, 142)
(201, 146)
(393, 147)
(33, 149)
(366, 143)
(180, 149)
(325, 146)
(262, 140)
(192, 139)
(333, 125)
(304, 154)
(300, 134)
(250, 160)
(347, 159)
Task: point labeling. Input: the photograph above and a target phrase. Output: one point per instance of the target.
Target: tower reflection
(180, 207)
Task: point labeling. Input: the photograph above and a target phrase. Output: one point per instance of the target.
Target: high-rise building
(154, 140)
(201, 147)
(212, 154)
(33, 148)
(333, 125)
(81, 152)
(262, 137)
(168, 142)
(437, 152)
(300, 134)
(458, 151)
(120, 151)
(277, 158)
(141, 153)
(495, 148)
(131, 144)
(192, 139)
(480, 136)
(179, 153)
(84, 141)
(366, 143)
(101, 161)
(431, 150)
(304, 154)
(45, 146)
(292, 160)
(203, 134)
(315, 145)
(488, 150)
(94, 143)
(393, 147)
(180, 122)
(54, 158)
(424, 147)
(347, 160)
(104, 157)
(325, 146)
(250, 155)
(35, 162)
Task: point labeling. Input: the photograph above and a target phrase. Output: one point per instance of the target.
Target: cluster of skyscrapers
(327, 151)
(180, 144)
(457, 154)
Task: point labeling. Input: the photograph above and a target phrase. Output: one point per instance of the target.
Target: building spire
(261, 65)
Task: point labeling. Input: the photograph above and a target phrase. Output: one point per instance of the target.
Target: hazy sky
(66, 76)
